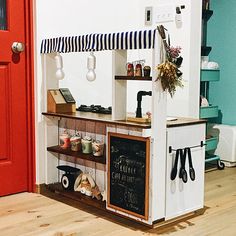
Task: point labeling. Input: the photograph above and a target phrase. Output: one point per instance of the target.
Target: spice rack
(136, 78)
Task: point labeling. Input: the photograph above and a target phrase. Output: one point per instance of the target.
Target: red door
(15, 100)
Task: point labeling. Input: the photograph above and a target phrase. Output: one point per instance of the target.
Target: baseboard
(40, 188)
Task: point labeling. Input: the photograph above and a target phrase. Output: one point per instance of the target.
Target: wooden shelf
(77, 196)
(68, 152)
(136, 78)
(206, 14)
(90, 116)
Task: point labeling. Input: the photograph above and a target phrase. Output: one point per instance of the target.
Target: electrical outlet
(165, 13)
(148, 15)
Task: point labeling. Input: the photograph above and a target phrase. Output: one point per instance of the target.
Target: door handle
(18, 47)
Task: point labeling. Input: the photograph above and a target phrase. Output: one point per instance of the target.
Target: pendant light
(59, 64)
(91, 65)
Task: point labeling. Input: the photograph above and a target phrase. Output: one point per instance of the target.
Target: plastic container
(226, 147)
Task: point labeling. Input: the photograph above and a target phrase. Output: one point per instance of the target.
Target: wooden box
(57, 104)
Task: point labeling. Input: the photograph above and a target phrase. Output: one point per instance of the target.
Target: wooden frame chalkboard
(128, 174)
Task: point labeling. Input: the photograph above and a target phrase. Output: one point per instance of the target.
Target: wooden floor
(34, 214)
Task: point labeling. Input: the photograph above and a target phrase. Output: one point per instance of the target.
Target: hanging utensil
(174, 170)
(191, 169)
(182, 172)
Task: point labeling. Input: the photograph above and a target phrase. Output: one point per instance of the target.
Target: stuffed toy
(86, 185)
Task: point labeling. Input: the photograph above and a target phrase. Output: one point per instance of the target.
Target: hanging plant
(168, 72)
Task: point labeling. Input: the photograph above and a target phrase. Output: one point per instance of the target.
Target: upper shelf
(205, 50)
(206, 14)
(90, 116)
(136, 78)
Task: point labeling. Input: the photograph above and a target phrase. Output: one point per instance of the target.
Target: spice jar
(87, 145)
(98, 148)
(138, 70)
(75, 143)
(130, 69)
(64, 140)
(146, 71)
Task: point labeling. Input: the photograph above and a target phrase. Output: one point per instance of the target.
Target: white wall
(69, 17)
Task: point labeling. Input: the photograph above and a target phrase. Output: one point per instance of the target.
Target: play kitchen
(145, 169)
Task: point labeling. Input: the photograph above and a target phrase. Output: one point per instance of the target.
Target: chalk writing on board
(128, 174)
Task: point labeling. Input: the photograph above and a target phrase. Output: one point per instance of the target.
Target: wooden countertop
(107, 119)
(182, 121)
(90, 116)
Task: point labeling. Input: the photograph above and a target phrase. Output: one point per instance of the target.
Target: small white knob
(18, 47)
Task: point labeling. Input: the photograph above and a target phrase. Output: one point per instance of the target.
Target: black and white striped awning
(143, 39)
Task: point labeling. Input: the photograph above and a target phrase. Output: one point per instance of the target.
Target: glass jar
(64, 140)
(130, 69)
(75, 143)
(146, 71)
(87, 145)
(98, 148)
(138, 70)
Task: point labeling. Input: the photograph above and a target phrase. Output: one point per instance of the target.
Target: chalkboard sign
(128, 174)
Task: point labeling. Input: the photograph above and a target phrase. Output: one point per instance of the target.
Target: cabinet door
(182, 198)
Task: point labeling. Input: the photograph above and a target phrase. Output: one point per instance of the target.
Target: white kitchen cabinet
(182, 198)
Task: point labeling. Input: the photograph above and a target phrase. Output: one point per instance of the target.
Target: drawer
(208, 112)
(210, 75)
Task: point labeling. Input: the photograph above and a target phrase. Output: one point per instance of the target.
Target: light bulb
(91, 65)
(91, 76)
(60, 74)
(59, 65)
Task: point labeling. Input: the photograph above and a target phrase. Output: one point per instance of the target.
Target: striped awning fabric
(143, 39)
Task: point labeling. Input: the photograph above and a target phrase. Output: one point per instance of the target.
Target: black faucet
(140, 94)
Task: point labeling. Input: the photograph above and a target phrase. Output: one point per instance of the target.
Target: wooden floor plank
(33, 214)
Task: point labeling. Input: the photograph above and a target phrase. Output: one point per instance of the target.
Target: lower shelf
(68, 152)
(211, 144)
(212, 158)
(77, 196)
